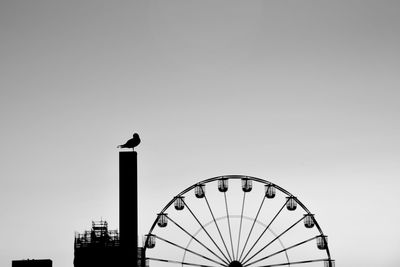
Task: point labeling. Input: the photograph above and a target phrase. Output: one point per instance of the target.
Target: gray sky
(302, 93)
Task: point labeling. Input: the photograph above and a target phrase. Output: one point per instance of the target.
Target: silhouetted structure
(128, 203)
(32, 263)
(102, 247)
(97, 247)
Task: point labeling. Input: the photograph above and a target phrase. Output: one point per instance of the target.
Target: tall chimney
(128, 204)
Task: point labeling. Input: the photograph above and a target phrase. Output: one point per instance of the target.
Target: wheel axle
(235, 264)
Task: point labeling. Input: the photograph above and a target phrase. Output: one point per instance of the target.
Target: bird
(131, 143)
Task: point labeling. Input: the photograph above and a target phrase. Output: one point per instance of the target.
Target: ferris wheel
(236, 221)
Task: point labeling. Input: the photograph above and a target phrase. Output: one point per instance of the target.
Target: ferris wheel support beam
(280, 251)
(179, 262)
(229, 224)
(293, 263)
(216, 224)
(266, 228)
(273, 240)
(191, 251)
(204, 229)
(198, 241)
(252, 226)
(240, 226)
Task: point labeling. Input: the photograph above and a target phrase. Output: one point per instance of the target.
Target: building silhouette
(32, 263)
(103, 247)
(97, 247)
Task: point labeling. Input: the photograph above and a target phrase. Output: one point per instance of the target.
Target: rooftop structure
(98, 236)
(101, 247)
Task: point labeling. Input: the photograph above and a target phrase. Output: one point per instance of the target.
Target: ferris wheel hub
(235, 264)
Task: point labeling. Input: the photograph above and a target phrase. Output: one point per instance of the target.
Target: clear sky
(302, 93)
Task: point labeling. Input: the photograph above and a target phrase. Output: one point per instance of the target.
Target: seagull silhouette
(131, 143)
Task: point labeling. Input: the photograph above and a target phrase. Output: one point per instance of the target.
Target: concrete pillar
(128, 204)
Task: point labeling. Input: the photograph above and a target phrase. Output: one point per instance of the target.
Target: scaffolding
(98, 236)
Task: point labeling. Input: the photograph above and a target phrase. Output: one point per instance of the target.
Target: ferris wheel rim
(239, 177)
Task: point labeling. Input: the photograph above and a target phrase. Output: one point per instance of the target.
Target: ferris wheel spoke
(229, 224)
(280, 251)
(240, 226)
(216, 224)
(273, 240)
(204, 229)
(293, 263)
(198, 241)
(266, 228)
(180, 262)
(188, 250)
(252, 226)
